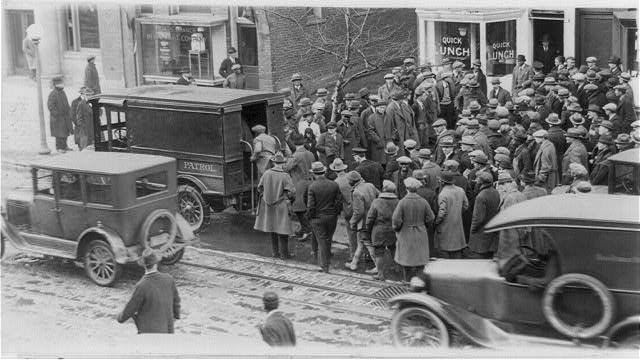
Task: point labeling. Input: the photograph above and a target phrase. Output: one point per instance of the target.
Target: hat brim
(340, 168)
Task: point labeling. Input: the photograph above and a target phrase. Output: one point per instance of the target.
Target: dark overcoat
(452, 201)
(91, 78)
(410, 220)
(154, 305)
(379, 217)
(277, 330)
(60, 114)
(487, 204)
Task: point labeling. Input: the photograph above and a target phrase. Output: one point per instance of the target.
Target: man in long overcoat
(452, 201)
(264, 147)
(91, 77)
(362, 196)
(60, 115)
(556, 135)
(600, 168)
(400, 116)
(350, 132)
(522, 73)
(486, 206)
(410, 220)
(330, 145)
(276, 189)
(576, 153)
(546, 162)
(299, 164)
(84, 121)
(155, 302)
(378, 225)
(377, 134)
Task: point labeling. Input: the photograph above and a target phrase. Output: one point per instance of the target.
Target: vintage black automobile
(206, 129)
(100, 209)
(589, 289)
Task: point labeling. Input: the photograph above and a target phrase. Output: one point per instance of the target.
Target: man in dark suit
(324, 203)
(371, 171)
(546, 54)
(225, 66)
(155, 302)
(479, 75)
(276, 330)
(498, 92)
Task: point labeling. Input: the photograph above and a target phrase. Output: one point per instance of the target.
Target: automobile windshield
(151, 184)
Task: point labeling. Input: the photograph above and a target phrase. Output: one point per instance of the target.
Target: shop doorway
(248, 53)
(18, 21)
(553, 31)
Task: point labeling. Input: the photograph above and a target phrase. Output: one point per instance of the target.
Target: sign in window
(501, 47)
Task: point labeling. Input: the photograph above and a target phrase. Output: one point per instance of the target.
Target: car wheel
(193, 208)
(416, 326)
(630, 340)
(100, 263)
(171, 256)
(577, 326)
(159, 231)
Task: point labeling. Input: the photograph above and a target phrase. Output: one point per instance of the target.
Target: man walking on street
(323, 207)
(155, 302)
(276, 330)
(362, 196)
(91, 77)
(60, 115)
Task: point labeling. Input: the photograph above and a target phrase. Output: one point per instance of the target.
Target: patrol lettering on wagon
(198, 167)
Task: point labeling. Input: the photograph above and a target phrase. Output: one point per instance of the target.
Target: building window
(166, 49)
(501, 47)
(146, 9)
(194, 9)
(82, 27)
(248, 45)
(457, 41)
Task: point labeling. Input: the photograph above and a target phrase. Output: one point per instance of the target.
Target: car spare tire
(158, 231)
(557, 287)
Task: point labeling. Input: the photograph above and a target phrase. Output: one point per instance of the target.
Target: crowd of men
(420, 165)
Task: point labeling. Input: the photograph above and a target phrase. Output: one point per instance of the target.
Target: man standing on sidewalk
(155, 302)
(84, 120)
(60, 115)
(91, 77)
(323, 206)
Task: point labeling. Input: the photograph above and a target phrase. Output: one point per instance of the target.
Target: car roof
(190, 95)
(571, 210)
(628, 156)
(101, 162)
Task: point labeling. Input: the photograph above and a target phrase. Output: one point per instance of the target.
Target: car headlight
(417, 284)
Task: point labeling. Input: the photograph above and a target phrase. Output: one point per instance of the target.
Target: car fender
(192, 180)
(621, 326)
(110, 236)
(477, 329)
(10, 232)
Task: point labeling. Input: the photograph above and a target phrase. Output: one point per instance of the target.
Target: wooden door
(248, 54)
(595, 37)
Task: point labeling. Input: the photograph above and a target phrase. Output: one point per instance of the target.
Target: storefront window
(457, 41)
(166, 49)
(88, 19)
(501, 47)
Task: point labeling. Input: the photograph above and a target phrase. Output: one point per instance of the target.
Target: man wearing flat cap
(298, 91)
(486, 205)
(378, 132)
(91, 77)
(625, 110)
(600, 167)
(236, 80)
(362, 196)
(546, 161)
(330, 145)
(576, 153)
(446, 89)
(499, 93)
(371, 171)
(155, 303)
(323, 207)
(351, 134)
(521, 74)
(276, 330)
(83, 126)
(264, 147)
(400, 118)
(452, 202)
(389, 86)
(227, 64)
(618, 127)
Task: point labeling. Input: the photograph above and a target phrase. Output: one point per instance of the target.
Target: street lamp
(34, 32)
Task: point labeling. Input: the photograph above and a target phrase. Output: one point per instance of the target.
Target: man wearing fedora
(83, 131)
(276, 189)
(499, 93)
(471, 92)
(91, 77)
(227, 64)
(546, 162)
(298, 91)
(324, 203)
(235, 80)
(376, 131)
(60, 122)
(546, 54)
(479, 75)
(185, 77)
(155, 302)
(556, 135)
(600, 167)
(339, 168)
(522, 73)
(276, 330)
